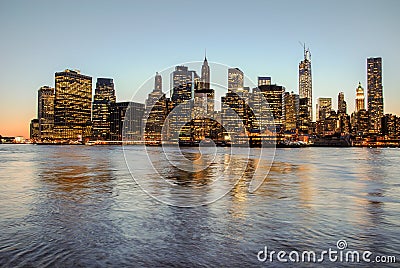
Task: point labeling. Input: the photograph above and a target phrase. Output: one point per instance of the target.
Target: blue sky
(131, 40)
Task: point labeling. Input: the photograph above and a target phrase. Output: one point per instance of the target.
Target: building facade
(264, 80)
(72, 105)
(46, 112)
(324, 108)
(360, 98)
(235, 79)
(305, 82)
(127, 121)
(103, 98)
(291, 111)
(342, 105)
(156, 111)
(375, 93)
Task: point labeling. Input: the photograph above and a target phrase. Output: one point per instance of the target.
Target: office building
(101, 109)
(156, 111)
(235, 79)
(305, 82)
(34, 129)
(360, 123)
(291, 111)
(273, 95)
(264, 80)
(389, 125)
(324, 108)
(375, 93)
(126, 121)
(72, 105)
(45, 112)
(342, 105)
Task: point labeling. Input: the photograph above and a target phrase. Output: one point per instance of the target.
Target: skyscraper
(235, 79)
(264, 80)
(72, 105)
(126, 121)
(324, 108)
(342, 105)
(184, 82)
(291, 105)
(46, 112)
(273, 94)
(234, 107)
(33, 129)
(101, 110)
(158, 82)
(303, 123)
(205, 74)
(155, 113)
(375, 93)
(305, 82)
(360, 99)
(182, 77)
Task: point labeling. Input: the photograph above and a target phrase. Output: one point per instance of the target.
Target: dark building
(46, 112)
(127, 121)
(103, 98)
(303, 123)
(34, 129)
(342, 105)
(389, 125)
(344, 123)
(375, 93)
(72, 106)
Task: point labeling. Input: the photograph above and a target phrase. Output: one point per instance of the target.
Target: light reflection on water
(78, 206)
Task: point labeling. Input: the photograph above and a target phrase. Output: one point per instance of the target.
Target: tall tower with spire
(205, 73)
(305, 81)
(158, 82)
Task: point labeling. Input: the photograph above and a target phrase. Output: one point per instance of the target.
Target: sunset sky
(131, 40)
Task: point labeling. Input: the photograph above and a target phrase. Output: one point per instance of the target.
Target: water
(78, 206)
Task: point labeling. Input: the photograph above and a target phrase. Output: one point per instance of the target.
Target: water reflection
(79, 206)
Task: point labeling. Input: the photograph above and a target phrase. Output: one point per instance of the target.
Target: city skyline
(248, 114)
(125, 47)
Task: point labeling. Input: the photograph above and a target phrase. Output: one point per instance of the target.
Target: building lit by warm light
(264, 80)
(324, 108)
(72, 105)
(305, 83)
(235, 79)
(291, 110)
(360, 98)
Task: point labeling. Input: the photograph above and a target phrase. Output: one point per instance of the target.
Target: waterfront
(75, 206)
